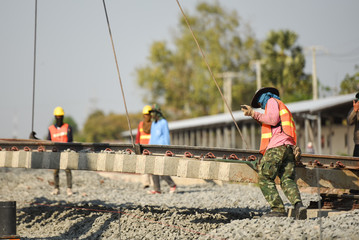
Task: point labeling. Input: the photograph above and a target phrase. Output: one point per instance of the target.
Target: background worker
(353, 118)
(143, 136)
(309, 149)
(160, 135)
(278, 139)
(60, 132)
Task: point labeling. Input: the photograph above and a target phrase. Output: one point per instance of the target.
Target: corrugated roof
(306, 106)
(313, 106)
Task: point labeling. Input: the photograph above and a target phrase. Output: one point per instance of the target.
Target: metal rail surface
(203, 153)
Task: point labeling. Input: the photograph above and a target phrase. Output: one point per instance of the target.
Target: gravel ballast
(111, 208)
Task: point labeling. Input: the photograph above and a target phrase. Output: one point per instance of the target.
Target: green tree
(177, 76)
(350, 84)
(101, 128)
(283, 66)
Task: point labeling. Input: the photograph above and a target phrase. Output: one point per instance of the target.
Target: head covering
(258, 94)
(265, 97)
(58, 111)
(156, 108)
(146, 109)
(156, 111)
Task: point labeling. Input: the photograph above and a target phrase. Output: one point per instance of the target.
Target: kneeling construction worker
(278, 148)
(60, 132)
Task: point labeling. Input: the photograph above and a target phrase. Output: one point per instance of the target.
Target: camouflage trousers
(278, 161)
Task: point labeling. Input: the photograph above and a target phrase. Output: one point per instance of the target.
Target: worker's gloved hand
(297, 153)
(248, 110)
(32, 135)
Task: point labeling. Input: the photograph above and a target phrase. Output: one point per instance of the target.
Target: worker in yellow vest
(60, 132)
(277, 146)
(143, 137)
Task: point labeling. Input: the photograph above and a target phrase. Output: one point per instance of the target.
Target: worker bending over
(278, 141)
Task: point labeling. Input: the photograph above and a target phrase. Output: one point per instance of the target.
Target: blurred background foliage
(176, 77)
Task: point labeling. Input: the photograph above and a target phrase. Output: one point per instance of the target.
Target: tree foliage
(283, 65)
(350, 84)
(100, 127)
(177, 76)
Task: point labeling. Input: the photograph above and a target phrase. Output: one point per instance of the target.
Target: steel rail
(200, 152)
(331, 161)
(139, 148)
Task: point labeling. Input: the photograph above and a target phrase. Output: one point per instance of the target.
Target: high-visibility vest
(144, 137)
(59, 134)
(286, 122)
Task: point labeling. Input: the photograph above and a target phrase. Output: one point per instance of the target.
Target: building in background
(322, 122)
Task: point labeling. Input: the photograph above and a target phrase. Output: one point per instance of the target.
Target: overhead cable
(118, 72)
(212, 75)
(34, 72)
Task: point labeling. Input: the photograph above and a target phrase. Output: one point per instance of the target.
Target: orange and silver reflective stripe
(60, 134)
(283, 111)
(267, 135)
(288, 123)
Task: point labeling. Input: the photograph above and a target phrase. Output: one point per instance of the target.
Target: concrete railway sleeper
(326, 161)
(181, 161)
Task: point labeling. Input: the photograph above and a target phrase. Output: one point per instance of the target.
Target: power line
(354, 59)
(354, 53)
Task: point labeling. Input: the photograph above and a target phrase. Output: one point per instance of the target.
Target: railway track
(203, 153)
(183, 161)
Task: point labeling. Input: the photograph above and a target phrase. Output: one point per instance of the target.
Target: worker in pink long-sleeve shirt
(272, 118)
(278, 140)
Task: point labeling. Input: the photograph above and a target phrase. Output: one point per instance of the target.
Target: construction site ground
(115, 206)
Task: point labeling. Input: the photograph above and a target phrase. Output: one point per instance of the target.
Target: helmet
(58, 111)
(147, 109)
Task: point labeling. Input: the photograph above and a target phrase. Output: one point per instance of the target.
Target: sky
(75, 66)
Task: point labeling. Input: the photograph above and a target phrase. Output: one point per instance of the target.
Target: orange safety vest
(287, 124)
(59, 134)
(144, 137)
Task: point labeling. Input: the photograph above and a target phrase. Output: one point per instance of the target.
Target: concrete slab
(314, 213)
(171, 166)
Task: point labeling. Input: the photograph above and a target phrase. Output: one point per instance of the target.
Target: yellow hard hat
(146, 109)
(58, 111)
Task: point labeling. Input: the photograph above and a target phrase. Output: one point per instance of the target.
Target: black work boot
(275, 214)
(300, 211)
